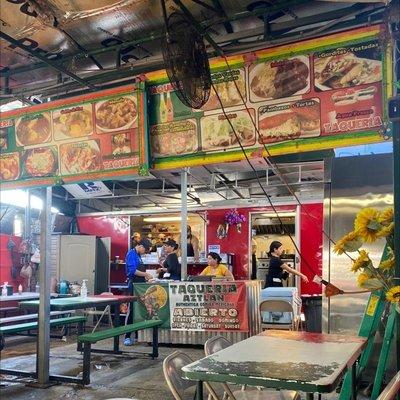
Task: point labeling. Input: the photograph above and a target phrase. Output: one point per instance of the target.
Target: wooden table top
(310, 362)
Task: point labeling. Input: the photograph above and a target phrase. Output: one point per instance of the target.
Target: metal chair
(218, 343)
(392, 388)
(278, 307)
(172, 368)
(101, 313)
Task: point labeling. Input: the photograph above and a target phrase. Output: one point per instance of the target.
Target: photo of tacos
(279, 79)
(3, 139)
(289, 121)
(120, 144)
(9, 166)
(80, 157)
(230, 89)
(345, 70)
(33, 129)
(73, 122)
(40, 161)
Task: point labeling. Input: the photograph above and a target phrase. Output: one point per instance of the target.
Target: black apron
(190, 248)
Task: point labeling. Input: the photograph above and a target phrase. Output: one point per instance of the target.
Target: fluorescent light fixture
(161, 219)
(19, 198)
(282, 214)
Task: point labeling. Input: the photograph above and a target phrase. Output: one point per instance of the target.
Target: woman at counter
(277, 267)
(171, 264)
(215, 268)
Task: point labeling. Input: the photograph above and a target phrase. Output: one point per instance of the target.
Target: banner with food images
(96, 136)
(208, 306)
(316, 94)
(152, 302)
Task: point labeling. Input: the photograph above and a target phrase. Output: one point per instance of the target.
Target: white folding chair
(278, 307)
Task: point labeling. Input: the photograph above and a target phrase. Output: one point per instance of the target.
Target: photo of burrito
(345, 70)
(289, 121)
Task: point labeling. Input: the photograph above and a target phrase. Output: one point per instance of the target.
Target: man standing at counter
(135, 272)
(171, 264)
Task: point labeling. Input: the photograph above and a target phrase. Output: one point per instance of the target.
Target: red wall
(311, 239)
(311, 220)
(117, 228)
(6, 261)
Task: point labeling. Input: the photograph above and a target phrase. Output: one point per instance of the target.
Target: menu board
(327, 92)
(98, 136)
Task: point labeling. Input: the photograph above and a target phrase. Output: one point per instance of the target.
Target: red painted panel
(311, 224)
(6, 261)
(117, 228)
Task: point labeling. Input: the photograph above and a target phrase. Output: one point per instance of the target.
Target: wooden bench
(12, 329)
(88, 339)
(27, 317)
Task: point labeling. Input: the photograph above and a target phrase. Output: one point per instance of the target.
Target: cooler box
(289, 294)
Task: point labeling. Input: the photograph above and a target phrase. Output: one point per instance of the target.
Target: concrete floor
(139, 378)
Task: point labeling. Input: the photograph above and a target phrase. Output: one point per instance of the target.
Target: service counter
(192, 312)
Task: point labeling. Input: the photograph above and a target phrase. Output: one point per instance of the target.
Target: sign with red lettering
(208, 306)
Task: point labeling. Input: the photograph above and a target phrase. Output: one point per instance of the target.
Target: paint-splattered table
(310, 362)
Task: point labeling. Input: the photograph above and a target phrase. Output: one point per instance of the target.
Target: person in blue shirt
(135, 272)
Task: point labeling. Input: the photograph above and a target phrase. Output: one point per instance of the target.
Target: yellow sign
(372, 304)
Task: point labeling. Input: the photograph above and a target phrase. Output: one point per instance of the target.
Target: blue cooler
(289, 294)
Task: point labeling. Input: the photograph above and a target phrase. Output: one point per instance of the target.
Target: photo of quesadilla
(345, 70)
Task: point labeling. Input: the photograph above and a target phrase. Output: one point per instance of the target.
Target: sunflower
(393, 294)
(387, 264)
(362, 278)
(362, 261)
(342, 245)
(366, 224)
(386, 230)
(386, 217)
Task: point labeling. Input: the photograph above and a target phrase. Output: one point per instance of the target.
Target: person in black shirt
(171, 263)
(277, 267)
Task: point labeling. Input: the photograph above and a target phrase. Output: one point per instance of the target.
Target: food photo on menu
(287, 121)
(9, 166)
(40, 161)
(348, 66)
(279, 78)
(80, 157)
(33, 129)
(230, 86)
(118, 113)
(174, 138)
(73, 122)
(220, 132)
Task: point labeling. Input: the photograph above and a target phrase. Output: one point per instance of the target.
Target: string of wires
(273, 166)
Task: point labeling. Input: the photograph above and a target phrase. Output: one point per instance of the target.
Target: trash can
(312, 306)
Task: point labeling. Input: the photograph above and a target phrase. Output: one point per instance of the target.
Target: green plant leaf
(374, 225)
(352, 245)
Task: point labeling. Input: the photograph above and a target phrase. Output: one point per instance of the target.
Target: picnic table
(309, 362)
(74, 303)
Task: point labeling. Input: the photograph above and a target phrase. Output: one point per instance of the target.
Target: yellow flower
(393, 294)
(387, 264)
(362, 278)
(386, 217)
(339, 247)
(362, 261)
(386, 230)
(366, 224)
